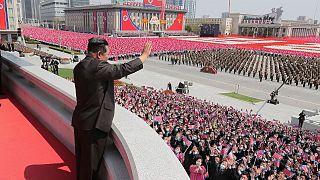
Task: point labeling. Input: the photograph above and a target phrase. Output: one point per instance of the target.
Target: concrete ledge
(137, 153)
(307, 124)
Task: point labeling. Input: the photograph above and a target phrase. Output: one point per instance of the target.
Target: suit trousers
(89, 148)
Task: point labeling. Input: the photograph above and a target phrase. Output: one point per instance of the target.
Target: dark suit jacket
(95, 92)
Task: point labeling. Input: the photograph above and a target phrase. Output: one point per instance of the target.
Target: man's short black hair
(97, 44)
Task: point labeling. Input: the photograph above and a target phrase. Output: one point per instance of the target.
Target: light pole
(267, 31)
(60, 41)
(98, 29)
(39, 14)
(254, 32)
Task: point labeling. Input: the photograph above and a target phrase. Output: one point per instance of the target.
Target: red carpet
(28, 150)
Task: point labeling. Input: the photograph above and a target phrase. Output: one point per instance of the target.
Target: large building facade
(77, 3)
(52, 12)
(121, 1)
(190, 6)
(271, 25)
(30, 10)
(19, 10)
(279, 30)
(175, 2)
(114, 18)
(225, 24)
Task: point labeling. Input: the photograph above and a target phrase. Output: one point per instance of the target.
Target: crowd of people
(291, 69)
(129, 46)
(7, 46)
(304, 38)
(119, 46)
(213, 141)
(218, 142)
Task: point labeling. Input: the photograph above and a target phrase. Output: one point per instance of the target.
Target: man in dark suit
(302, 117)
(93, 115)
(169, 86)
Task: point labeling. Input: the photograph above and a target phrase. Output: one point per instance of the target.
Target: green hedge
(32, 42)
(64, 50)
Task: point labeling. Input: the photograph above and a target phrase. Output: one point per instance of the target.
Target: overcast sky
(292, 8)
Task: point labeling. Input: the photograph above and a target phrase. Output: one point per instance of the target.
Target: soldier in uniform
(278, 77)
(260, 76)
(316, 84)
(271, 76)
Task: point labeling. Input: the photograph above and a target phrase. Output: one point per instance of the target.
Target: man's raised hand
(146, 51)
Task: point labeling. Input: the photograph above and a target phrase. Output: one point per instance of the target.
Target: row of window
(54, 3)
(134, 16)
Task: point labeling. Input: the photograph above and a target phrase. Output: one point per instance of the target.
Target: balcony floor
(28, 150)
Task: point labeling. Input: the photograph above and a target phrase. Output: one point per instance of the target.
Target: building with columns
(190, 6)
(225, 24)
(120, 1)
(271, 25)
(279, 30)
(113, 18)
(30, 10)
(52, 12)
(75, 3)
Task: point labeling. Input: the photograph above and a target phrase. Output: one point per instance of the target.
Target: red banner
(157, 3)
(3, 20)
(126, 22)
(177, 24)
(163, 9)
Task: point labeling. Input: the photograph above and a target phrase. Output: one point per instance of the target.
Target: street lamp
(255, 31)
(60, 41)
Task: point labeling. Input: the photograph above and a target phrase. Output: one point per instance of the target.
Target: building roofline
(208, 18)
(279, 25)
(117, 6)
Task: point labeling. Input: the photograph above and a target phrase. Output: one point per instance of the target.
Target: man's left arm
(108, 71)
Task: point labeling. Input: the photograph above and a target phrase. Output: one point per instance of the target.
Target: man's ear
(99, 54)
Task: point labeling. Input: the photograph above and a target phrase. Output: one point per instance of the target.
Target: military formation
(283, 68)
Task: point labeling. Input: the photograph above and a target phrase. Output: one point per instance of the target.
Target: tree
(188, 28)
